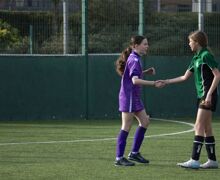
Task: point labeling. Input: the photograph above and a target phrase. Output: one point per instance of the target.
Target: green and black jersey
(201, 65)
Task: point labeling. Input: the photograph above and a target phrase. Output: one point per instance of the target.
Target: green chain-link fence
(36, 26)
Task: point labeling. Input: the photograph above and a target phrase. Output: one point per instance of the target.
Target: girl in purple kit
(129, 67)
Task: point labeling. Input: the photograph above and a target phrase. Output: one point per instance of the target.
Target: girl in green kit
(207, 77)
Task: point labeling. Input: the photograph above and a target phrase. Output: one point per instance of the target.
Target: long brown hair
(200, 37)
(121, 61)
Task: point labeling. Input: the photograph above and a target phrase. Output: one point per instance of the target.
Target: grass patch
(68, 158)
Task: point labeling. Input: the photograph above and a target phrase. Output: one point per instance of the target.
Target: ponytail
(121, 61)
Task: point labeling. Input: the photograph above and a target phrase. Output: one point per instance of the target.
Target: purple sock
(138, 138)
(121, 143)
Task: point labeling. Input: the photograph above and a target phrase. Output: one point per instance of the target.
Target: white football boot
(210, 164)
(193, 164)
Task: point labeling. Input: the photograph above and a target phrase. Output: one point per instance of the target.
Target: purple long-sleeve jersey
(130, 94)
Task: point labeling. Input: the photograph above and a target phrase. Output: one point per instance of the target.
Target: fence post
(141, 17)
(85, 52)
(65, 27)
(31, 39)
(200, 15)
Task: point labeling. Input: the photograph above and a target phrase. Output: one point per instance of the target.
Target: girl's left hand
(150, 71)
(208, 99)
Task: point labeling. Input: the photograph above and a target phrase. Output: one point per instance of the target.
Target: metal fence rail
(55, 26)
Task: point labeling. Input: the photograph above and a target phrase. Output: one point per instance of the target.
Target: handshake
(160, 83)
(157, 83)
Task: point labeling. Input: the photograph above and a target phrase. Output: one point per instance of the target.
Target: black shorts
(212, 106)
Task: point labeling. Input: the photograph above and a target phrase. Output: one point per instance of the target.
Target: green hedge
(167, 32)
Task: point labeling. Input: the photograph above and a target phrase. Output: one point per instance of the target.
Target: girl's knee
(199, 128)
(145, 123)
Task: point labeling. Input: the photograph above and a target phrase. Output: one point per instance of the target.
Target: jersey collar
(201, 51)
(135, 53)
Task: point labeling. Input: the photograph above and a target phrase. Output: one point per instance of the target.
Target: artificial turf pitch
(85, 150)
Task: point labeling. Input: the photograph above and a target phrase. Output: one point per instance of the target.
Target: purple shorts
(127, 105)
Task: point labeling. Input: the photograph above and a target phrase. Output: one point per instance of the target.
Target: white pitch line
(109, 139)
(175, 133)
